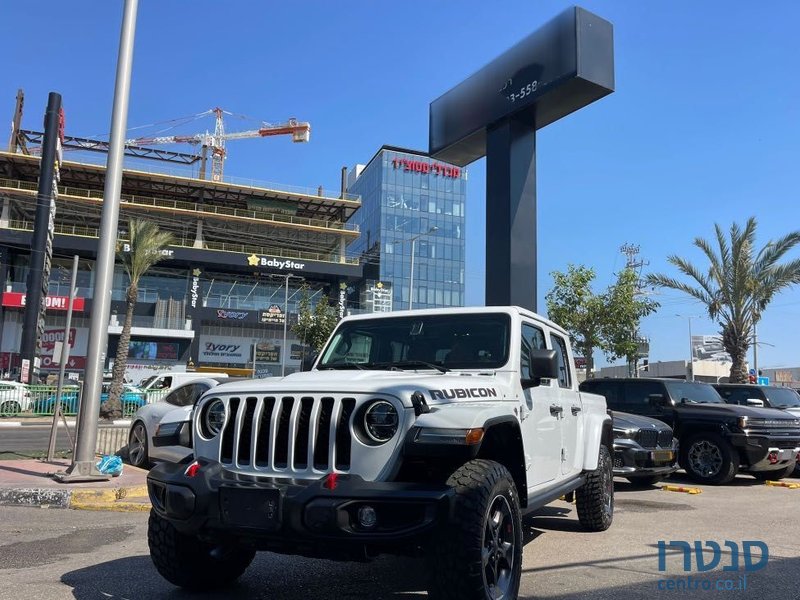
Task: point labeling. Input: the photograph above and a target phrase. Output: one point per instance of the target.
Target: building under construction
(218, 299)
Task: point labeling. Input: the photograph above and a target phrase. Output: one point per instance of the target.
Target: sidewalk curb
(10, 423)
(125, 499)
(41, 497)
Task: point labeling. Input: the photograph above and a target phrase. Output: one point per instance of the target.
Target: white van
(164, 382)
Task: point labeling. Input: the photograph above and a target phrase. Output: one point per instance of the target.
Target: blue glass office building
(406, 195)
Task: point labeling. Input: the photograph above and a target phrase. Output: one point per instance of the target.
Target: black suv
(716, 439)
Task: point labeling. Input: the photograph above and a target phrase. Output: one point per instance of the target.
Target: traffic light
(645, 365)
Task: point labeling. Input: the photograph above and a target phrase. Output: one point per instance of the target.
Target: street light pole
(691, 352)
(690, 376)
(411, 279)
(755, 350)
(83, 463)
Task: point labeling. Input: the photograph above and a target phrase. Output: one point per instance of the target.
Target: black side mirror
(544, 365)
(308, 361)
(658, 400)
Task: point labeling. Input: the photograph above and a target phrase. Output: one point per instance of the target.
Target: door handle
(576, 410)
(556, 410)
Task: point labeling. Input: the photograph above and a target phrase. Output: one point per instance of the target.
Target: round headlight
(380, 421)
(215, 417)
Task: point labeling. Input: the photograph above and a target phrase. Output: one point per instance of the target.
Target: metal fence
(19, 400)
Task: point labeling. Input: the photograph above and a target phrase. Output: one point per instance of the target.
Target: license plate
(662, 455)
(258, 508)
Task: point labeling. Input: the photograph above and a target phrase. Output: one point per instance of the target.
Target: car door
(185, 398)
(572, 410)
(540, 421)
(636, 398)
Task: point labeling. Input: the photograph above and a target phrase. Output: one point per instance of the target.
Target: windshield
(783, 397)
(443, 342)
(694, 392)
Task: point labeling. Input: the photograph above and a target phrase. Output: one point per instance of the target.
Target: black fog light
(367, 517)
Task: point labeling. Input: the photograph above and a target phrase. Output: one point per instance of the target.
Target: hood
(624, 420)
(438, 388)
(793, 410)
(736, 410)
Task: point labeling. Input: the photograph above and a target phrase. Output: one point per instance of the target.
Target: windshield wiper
(405, 364)
(342, 365)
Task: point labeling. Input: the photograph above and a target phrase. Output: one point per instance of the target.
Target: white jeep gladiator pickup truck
(427, 431)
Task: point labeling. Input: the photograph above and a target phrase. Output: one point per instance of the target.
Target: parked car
(716, 440)
(145, 423)
(760, 395)
(645, 451)
(156, 387)
(132, 398)
(14, 398)
(771, 396)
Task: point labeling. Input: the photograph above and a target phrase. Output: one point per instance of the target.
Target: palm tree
(146, 245)
(738, 285)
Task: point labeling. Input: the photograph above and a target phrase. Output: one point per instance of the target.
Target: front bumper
(764, 453)
(631, 460)
(296, 516)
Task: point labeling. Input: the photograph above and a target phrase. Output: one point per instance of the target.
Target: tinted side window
(174, 397)
(532, 339)
(192, 393)
(609, 389)
(637, 394)
(560, 346)
(738, 395)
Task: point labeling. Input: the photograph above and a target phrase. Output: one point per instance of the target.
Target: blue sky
(702, 128)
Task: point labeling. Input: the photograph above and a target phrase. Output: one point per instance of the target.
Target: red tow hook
(331, 481)
(192, 469)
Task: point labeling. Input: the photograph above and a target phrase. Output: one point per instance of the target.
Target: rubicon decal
(463, 393)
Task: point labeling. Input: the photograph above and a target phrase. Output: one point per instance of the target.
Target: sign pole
(73, 292)
(285, 323)
(83, 466)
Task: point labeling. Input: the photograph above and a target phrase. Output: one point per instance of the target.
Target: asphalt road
(31, 438)
(59, 554)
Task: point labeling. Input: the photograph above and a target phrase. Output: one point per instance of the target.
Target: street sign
(763, 381)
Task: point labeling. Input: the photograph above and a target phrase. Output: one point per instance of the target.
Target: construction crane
(299, 130)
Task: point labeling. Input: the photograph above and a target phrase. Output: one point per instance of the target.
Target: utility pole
(83, 467)
(631, 252)
(285, 324)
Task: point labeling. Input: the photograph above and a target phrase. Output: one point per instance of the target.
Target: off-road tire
(185, 561)
(141, 460)
(595, 498)
(715, 445)
(645, 481)
(480, 487)
(776, 475)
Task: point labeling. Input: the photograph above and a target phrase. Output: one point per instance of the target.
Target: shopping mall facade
(240, 258)
(218, 298)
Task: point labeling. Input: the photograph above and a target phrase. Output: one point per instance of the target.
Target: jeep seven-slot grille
(288, 432)
(652, 438)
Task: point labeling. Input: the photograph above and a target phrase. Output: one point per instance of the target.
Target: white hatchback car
(145, 423)
(14, 398)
